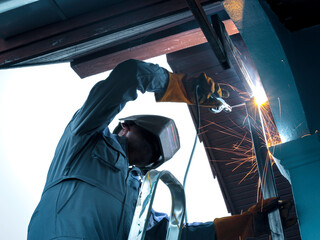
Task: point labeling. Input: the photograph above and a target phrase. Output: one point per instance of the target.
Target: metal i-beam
(209, 32)
(265, 171)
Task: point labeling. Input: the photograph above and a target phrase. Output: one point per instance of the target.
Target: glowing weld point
(260, 96)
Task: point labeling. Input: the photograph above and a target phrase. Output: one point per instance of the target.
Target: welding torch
(223, 106)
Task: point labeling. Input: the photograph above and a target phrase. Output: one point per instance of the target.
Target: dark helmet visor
(165, 131)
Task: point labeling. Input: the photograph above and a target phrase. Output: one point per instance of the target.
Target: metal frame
(75, 43)
(145, 200)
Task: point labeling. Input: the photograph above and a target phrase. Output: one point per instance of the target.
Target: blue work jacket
(91, 191)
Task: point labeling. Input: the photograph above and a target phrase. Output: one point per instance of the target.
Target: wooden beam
(144, 51)
(166, 45)
(230, 27)
(66, 44)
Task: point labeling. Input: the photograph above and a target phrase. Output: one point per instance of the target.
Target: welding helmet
(164, 130)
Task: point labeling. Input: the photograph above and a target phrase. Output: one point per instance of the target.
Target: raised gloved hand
(254, 222)
(182, 88)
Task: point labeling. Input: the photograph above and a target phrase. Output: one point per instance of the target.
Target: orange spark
(244, 153)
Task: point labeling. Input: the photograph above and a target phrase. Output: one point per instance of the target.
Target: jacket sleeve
(108, 97)
(157, 229)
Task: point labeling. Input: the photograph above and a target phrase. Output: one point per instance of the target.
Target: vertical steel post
(266, 176)
(208, 31)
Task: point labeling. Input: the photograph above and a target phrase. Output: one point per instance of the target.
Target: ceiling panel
(27, 17)
(72, 8)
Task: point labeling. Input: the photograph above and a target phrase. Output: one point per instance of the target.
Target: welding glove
(182, 88)
(254, 222)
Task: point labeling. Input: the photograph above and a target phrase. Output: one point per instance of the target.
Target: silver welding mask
(164, 129)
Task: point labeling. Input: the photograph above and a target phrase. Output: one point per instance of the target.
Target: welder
(94, 178)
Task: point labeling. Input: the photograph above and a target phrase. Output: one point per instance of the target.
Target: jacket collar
(116, 142)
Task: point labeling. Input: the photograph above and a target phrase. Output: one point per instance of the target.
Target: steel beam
(209, 32)
(265, 171)
(67, 46)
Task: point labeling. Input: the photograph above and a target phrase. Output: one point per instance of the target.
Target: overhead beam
(141, 52)
(79, 42)
(77, 22)
(99, 63)
(209, 32)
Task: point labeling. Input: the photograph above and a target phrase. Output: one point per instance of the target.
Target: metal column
(268, 184)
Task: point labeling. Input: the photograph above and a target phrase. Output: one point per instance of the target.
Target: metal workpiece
(145, 201)
(266, 49)
(265, 171)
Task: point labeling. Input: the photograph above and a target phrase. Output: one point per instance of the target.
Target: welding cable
(193, 149)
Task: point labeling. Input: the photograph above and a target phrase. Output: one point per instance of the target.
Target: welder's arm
(108, 97)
